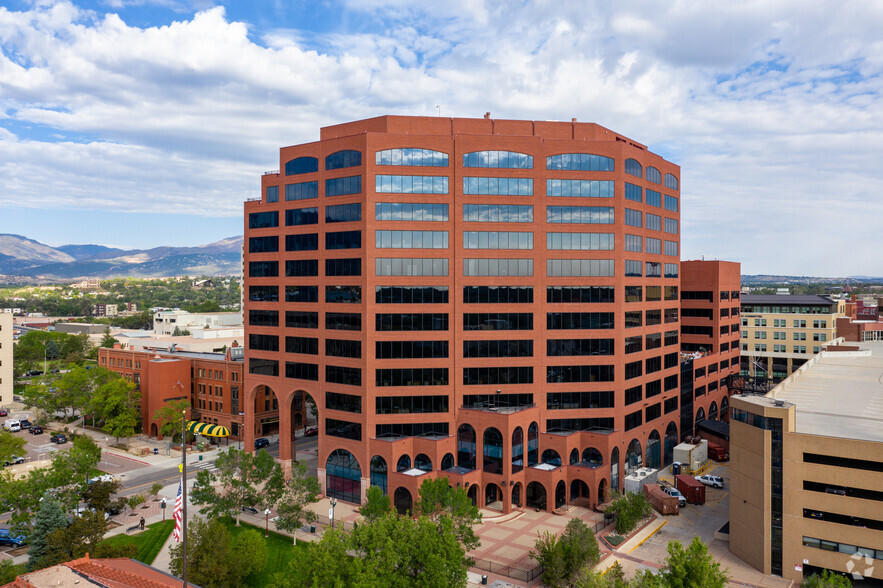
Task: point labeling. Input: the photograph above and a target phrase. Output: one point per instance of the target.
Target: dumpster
(661, 501)
(692, 489)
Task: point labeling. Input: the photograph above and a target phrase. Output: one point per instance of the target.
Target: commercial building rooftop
(785, 299)
(838, 393)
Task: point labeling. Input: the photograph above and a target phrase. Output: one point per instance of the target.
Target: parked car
(25, 424)
(7, 538)
(311, 431)
(261, 442)
(709, 480)
(14, 460)
(34, 373)
(58, 438)
(3, 412)
(103, 478)
(36, 430)
(682, 500)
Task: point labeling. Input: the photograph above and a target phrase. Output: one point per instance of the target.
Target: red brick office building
(495, 301)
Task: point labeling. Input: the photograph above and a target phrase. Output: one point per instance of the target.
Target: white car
(104, 478)
(682, 500)
(709, 480)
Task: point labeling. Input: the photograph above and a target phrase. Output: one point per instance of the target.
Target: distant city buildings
(780, 332)
(225, 324)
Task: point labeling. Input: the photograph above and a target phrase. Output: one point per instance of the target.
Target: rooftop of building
(785, 299)
(118, 573)
(838, 394)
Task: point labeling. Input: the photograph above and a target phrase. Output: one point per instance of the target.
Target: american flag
(178, 514)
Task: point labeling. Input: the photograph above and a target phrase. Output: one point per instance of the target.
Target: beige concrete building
(781, 332)
(5, 359)
(806, 471)
(165, 321)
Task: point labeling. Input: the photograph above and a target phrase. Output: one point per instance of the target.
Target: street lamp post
(331, 511)
(184, 493)
(267, 515)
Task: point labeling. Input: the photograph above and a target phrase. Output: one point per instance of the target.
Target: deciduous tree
(568, 558)
(169, 416)
(10, 446)
(75, 540)
(692, 566)
(116, 403)
(298, 491)
(377, 504)
(437, 499)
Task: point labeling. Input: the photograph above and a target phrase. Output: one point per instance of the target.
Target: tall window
(466, 447)
(343, 476)
(533, 444)
(493, 451)
(517, 450)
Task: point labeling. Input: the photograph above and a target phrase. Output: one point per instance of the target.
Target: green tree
(52, 349)
(692, 567)
(568, 558)
(155, 489)
(241, 479)
(377, 504)
(439, 500)
(9, 571)
(211, 562)
(250, 550)
(108, 550)
(115, 401)
(298, 491)
(50, 516)
(630, 508)
(827, 579)
(99, 496)
(169, 416)
(326, 564)
(10, 446)
(108, 339)
(75, 540)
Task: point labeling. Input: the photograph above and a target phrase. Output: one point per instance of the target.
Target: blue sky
(145, 123)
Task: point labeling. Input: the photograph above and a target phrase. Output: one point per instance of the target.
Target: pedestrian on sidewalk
(141, 523)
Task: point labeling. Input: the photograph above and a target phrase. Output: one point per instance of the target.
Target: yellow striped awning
(207, 429)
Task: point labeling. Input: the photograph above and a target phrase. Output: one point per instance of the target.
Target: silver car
(713, 481)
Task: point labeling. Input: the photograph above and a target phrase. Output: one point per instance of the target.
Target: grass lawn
(280, 551)
(149, 542)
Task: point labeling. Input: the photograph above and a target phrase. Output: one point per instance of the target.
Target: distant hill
(25, 259)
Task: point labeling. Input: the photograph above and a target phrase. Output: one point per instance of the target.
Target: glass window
(497, 240)
(653, 175)
(498, 159)
(671, 226)
(343, 186)
(497, 267)
(343, 213)
(580, 188)
(302, 191)
(580, 267)
(262, 220)
(343, 240)
(633, 269)
(633, 168)
(410, 184)
(654, 198)
(407, 266)
(411, 239)
(671, 248)
(301, 165)
(671, 203)
(301, 216)
(263, 244)
(498, 186)
(272, 194)
(497, 213)
(654, 222)
(580, 214)
(653, 245)
(303, 242)
(633, 218)
(580, 241)
(411, 157)
(634, 193)
(634, 243)
(410, 211)
(343, 159)
(671, 182)
(579, 162)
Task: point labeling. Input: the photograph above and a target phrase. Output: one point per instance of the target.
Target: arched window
(343, 159)
(712, 411)
(593, 457)
(378, 472)
(574, 456)
(653, 175)
(579, 162)
(700, 415)
(466, 447)
(447, 461)
(671, 182)
(402, 500)
(498, 159)
(560, 494)
(517, 450)
(533, 444)
(422, 462)
(516, 494)
(633, 168)
(536, 496)
(551, 457)
(654, 450)
(493, 451)
(301, 165)
(614, 469)
(411, 157)
(725, 409)
(343, 476)
(633, 457)
(404, 463)
(671, 440)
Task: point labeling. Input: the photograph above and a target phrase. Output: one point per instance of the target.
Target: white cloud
(772, 109)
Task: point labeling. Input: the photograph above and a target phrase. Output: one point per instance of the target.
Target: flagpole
(184, 490)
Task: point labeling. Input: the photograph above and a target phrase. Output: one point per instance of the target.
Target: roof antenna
(438, 108)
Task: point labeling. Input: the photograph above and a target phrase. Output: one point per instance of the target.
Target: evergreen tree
(50, 516)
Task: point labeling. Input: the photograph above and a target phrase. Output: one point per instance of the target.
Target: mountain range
(25, 259)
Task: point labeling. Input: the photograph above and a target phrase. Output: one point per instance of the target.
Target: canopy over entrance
(207, 429)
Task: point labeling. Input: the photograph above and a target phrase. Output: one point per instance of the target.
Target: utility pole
(184, 490)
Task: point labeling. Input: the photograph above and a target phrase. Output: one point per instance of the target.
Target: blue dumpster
(676, 469)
